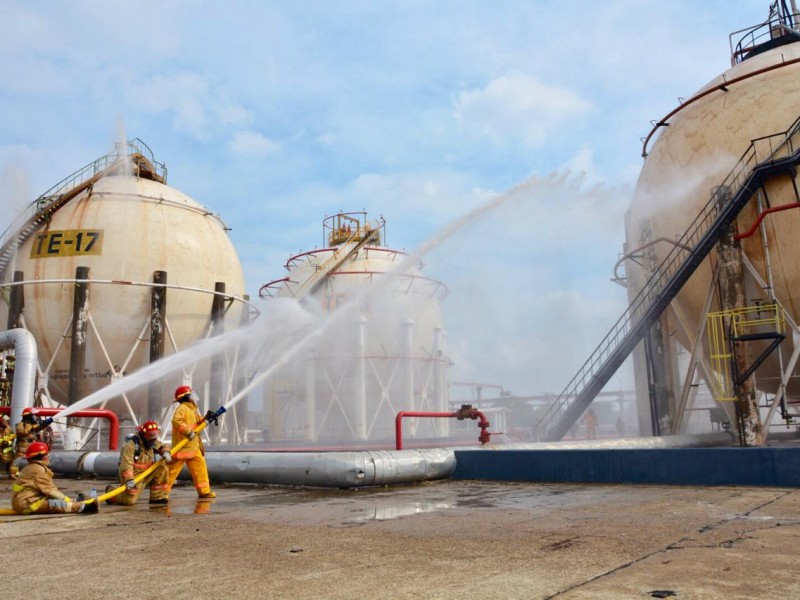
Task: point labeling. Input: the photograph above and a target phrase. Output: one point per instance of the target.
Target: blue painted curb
(770, 467)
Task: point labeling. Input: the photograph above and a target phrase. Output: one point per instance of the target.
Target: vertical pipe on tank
(158, 311)
(241, 409)
(310, 396)
(16, 302)
(24, 345)
(217, 361)
(439, 387)
(732, 296)
(771, 292)
(657, 353)
(361, 378)
(408, 341)
(77, 354)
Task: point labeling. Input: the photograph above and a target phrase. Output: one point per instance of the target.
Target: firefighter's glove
(43, 424)
(57, 503)
(130, 484)
(167, 456)
(191, 435)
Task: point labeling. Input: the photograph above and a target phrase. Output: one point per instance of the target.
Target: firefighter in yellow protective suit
(137, 455)
(34, 490)
(6, 443)
(27, 430)
(185, 418)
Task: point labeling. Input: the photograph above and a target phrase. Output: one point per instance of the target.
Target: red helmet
(29, 411)
(149, 430)
(183, 393)
(37, 450)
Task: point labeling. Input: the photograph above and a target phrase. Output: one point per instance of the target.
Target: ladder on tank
(40, 210)
(765, 157)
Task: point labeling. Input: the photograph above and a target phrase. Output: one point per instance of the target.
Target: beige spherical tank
(700, 144)
(123, 228)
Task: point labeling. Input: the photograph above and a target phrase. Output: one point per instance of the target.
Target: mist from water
(287, 327)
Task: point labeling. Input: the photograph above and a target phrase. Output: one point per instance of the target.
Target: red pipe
(465, 412)
(763, 214)
(88, 413)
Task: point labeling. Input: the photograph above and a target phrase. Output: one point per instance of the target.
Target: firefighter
(137, 455)
(34, 490)
(6, 443)
(185, 418)
(27, 430)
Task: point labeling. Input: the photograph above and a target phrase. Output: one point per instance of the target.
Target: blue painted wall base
(771, 467)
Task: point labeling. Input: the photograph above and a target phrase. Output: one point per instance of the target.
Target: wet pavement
(445, 539)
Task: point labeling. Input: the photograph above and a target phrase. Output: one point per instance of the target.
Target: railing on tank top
(764, 155)
(32, 216)
(776, 27)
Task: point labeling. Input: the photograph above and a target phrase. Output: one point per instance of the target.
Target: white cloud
(518, 107)
(197, 106)
(251, 144)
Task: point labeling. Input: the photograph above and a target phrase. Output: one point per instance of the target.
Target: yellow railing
(728, 325)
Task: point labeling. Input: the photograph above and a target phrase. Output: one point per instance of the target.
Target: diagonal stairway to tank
(354, 243)
(766, 157)
(38, 212)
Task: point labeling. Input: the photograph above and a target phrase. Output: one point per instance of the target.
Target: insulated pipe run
(89, 413)
(312, 469)
(24, 345)
(465, 412)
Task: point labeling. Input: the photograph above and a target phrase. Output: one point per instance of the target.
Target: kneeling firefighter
(34, 490)
(30, 429)
(137, 455)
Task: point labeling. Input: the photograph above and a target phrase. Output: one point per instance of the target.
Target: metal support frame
(158, 315)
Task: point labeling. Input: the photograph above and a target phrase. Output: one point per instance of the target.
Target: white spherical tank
(697, 148)
(123, 228)
(383, 345)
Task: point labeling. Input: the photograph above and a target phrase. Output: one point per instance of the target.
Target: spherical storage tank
(697, 147)
(382, 349)
(118, 219)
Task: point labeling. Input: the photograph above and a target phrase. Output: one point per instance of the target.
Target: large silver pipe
(312, 469)
(357, 469)
(24, 346)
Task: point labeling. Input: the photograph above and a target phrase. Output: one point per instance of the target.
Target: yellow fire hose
(210, 416)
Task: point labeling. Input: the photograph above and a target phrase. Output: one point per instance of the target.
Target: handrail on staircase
(725, 203)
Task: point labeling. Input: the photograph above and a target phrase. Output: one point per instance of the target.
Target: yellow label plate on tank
(67, 242)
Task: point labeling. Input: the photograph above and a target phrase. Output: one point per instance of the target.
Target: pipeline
(312, 469)
(24, 345)
(465, 412)
(356, 469)
(88, 413)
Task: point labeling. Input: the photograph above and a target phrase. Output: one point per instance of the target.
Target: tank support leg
(158, 315)
(218, 360)
(16, 302)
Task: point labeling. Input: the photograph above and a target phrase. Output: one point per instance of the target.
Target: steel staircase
(357, 240)
(766, 157)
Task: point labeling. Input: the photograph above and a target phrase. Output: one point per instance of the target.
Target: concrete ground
(447, 539)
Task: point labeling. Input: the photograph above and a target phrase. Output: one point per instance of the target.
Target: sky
(277, 114)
